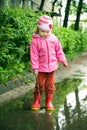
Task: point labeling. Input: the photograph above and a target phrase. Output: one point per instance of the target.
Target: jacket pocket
(41, 58)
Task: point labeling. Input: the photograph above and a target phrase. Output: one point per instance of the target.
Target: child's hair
(36, 31)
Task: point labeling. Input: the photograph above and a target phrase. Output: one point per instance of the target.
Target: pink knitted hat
(45, 23)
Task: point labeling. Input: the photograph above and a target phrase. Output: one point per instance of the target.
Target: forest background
(17, 26)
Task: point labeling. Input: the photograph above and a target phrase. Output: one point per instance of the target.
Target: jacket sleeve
(59, 52)
(34, 55)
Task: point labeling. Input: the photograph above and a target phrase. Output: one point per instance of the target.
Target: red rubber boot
(37, 98)
(49, 105)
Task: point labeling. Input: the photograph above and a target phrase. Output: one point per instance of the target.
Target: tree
(67, 13)
(53, 4)
(1, 3)
(15, 3)
(80, 5)
(59, 5)
(42, 5)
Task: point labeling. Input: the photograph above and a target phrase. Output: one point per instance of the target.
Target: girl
(45, 53)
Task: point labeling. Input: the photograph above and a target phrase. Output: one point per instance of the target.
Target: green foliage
(72, 41)
(16, 28)
(84, 40)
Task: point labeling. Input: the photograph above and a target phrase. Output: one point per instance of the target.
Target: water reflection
(44, 121)
(26, 121)
(73, 114)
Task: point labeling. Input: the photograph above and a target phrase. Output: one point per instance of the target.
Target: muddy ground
(77, 65)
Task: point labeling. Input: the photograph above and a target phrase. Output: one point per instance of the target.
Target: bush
(16, 28)
(84, 40)
(72, 41)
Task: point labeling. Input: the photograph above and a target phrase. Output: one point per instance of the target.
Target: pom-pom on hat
(45, 23)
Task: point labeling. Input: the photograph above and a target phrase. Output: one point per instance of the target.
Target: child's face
(44, 34)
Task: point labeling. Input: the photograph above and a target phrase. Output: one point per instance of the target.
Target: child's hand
(35, 72)
(65, 64)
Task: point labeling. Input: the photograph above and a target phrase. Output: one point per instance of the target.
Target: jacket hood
(35, 36)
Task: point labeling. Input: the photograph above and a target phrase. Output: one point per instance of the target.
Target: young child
(45, 53)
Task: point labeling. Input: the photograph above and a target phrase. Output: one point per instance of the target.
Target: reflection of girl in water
(43, 121)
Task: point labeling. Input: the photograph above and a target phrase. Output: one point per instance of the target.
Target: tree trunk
(42, 5)
(53, 4)
(66, 13)
(1, 3)
(78, 15)
(15, 3)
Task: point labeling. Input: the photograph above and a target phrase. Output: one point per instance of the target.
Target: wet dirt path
(76, 67)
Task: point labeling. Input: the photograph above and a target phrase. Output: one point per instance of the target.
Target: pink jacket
(45, 53)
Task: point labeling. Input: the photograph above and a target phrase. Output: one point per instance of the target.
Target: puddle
(73, 114)
(70, 102)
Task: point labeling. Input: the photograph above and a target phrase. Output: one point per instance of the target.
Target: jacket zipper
(48, 54)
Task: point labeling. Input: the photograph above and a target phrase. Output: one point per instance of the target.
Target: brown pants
(45, 82)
